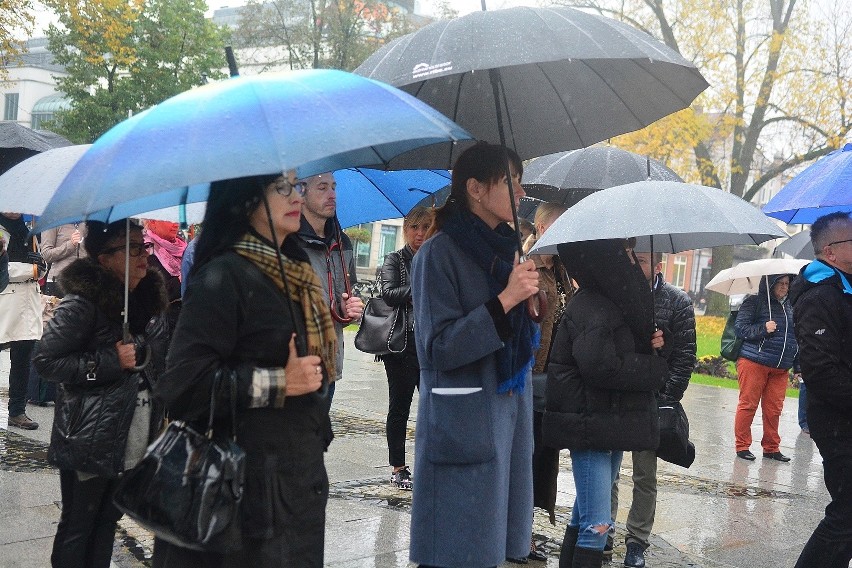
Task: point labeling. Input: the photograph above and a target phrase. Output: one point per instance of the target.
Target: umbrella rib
(565, 108)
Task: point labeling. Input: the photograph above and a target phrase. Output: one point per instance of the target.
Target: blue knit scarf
(494, 252)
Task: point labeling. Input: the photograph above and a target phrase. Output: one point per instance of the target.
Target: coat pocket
(460, 429)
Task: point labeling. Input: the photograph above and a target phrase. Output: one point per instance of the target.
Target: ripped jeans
(594, 472)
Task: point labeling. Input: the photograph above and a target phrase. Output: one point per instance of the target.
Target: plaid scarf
(305, 288)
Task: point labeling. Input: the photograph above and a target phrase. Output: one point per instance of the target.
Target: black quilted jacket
(96, 398)
(676, 317)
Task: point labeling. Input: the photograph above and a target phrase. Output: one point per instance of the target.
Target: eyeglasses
(285, 188)
(839, 242)
(135, 249)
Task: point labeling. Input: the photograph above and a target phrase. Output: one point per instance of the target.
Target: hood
(819, 273)
(604, 267)
(307, 233)
(772, 278)
(91, 281)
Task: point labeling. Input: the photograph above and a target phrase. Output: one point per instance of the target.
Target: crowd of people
(250, 314)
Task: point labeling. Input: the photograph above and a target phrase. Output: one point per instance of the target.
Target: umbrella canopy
(570, 79)
(365, 195)
(665, 216)
(28, 186)
(17, 143)
(823, 187)
(568, 177)
(313, 120)
(798, 246)
(745, 277)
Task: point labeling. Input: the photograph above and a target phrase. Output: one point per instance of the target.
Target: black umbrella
(17, 143)
(564, 79)
(568, 177)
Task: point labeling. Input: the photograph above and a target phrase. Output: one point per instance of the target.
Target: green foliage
(358, 234)
(123, 57)
(16, 22)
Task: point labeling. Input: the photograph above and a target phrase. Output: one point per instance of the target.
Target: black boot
(587, 558)
(566, 557)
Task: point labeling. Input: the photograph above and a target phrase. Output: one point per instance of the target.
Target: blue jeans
(803, 406)
(594, 473)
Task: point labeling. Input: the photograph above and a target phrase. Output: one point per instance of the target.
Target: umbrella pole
(126, 323)
(535, 304)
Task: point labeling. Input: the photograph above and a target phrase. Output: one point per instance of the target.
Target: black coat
(235, 319)
(600, 391)
(96, 398)
(823, 315)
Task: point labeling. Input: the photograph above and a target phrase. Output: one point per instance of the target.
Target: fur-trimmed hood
(91, 281)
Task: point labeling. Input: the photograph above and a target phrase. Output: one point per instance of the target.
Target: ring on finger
(319, 370)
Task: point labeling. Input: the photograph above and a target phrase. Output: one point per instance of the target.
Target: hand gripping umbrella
(313, 121)
(541, 80)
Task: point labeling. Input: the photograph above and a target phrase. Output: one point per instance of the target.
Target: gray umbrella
(665, 216)
(566, 79)
(568, 177)
(798, 246)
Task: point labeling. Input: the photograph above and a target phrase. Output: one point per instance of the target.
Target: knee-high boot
(587, 558)
(569, 542)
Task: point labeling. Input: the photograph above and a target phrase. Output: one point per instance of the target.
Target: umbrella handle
(536, 306)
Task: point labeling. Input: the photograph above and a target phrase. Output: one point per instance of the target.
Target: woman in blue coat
(472, 504)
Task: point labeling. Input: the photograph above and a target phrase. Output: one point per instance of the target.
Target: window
(362, 249)
(10, 110)
(387, 242)
(679, 271)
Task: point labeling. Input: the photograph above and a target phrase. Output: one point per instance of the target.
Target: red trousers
(764, 385)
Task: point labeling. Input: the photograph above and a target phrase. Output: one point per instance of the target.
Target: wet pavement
(721, 512)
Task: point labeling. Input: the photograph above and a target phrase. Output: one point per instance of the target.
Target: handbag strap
(232, 383)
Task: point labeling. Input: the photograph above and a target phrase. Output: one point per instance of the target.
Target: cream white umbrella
(745, 277)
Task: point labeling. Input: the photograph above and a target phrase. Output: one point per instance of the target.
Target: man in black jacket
(675, 315)
(822, 309)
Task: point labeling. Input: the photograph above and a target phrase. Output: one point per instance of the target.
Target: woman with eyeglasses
(105, 416)
(255, 312)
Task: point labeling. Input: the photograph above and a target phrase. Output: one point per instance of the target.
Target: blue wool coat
(472, 502)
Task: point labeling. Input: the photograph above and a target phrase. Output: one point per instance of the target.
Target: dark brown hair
(484, 162)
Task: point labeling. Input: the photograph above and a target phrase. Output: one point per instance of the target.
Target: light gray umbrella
(568, 177)
(798, 246)
(28, 186)
(665, 216)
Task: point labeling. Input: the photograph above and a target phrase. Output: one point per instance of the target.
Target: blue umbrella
(824, 187)
(366, 195)
(314, 120)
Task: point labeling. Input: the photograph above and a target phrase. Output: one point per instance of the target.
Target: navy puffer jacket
(778, 349)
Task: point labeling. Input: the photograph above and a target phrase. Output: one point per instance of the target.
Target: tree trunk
(718, 304)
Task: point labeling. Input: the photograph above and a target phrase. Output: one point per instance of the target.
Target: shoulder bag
(731, 344)
(383, 328)
(188, 487)
(675, 446)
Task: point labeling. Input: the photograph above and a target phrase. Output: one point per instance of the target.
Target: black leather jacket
(395, 282)
(97, 398)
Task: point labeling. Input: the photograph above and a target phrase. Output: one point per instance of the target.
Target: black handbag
(188, 487)
(675, 446)
(382, 329)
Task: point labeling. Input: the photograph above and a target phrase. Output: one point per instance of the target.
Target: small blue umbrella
(366, 195)
(823, 187)
(313, 120)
